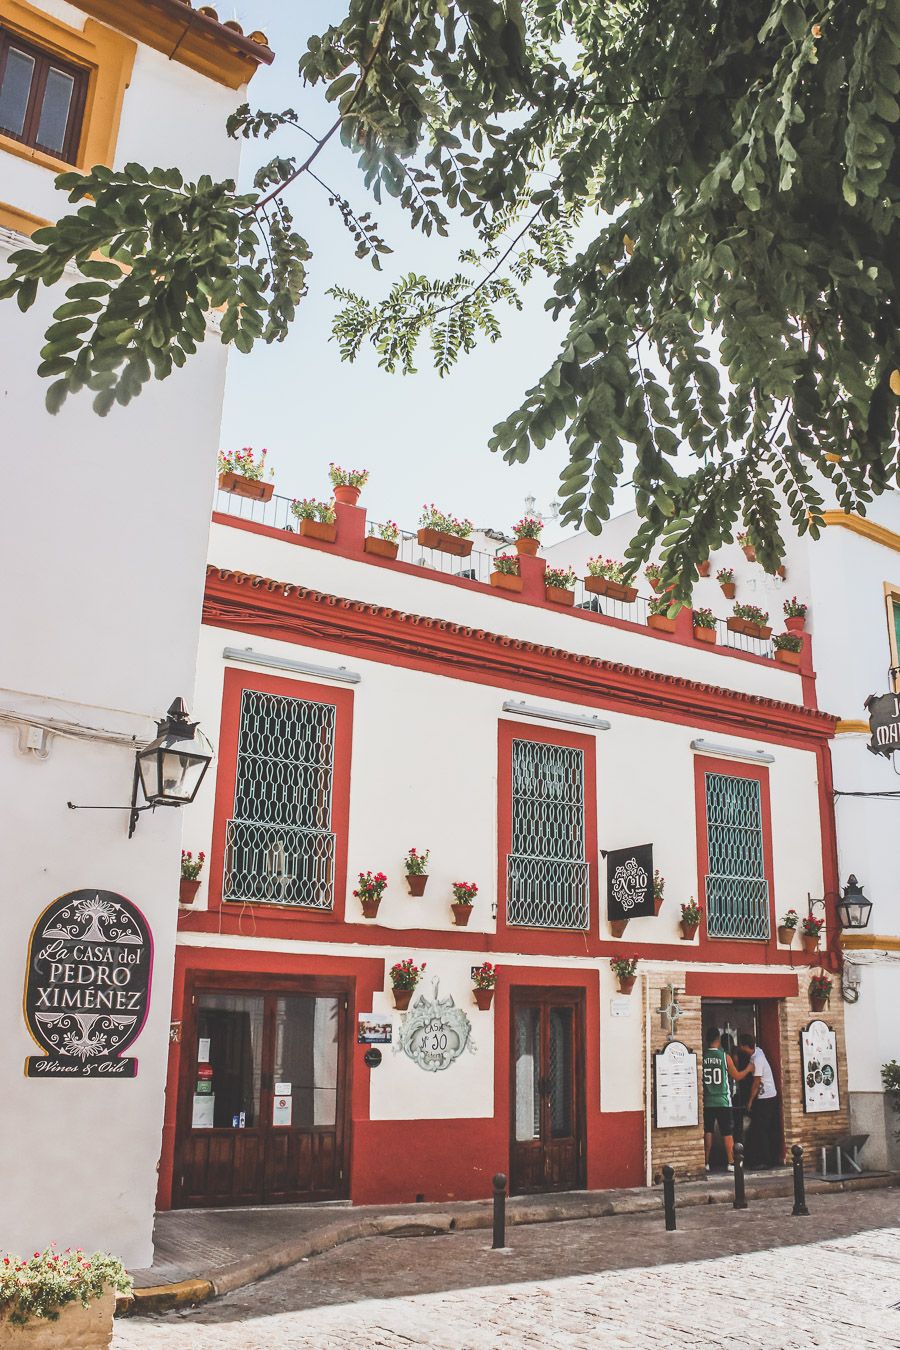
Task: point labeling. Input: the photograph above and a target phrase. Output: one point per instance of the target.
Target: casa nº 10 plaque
(87, 988)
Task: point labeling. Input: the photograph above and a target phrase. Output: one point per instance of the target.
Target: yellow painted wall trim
(844, 728)
(106, 55)
(869, 942)
(878, 534)
(23, 222)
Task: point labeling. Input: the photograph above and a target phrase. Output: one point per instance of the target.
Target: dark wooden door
(547, 1125)
(263, 1108)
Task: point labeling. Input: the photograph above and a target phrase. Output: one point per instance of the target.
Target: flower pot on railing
(661, 622)
(318, 529)
(484, 998)
(528, 546)
(754, 630)
(787, 658)
(786, 935)
(461, 914)
(506, 581)
(795, 623)
(617, 927)
(246, 487)
(704, 634)
(417, 882)
(381, 548)
(688, 930)
(187, 890)
(445, 543)
(559, 595)
(402, 997)
(616, 590)
(346, 494)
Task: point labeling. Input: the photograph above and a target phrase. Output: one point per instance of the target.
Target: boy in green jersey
(718, 1068)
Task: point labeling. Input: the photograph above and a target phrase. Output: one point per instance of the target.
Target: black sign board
(87, 988)
(884, 723)
(629, 882)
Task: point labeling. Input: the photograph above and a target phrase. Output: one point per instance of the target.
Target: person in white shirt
(764, 1141)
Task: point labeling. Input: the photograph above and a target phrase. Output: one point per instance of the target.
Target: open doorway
(732, 1018)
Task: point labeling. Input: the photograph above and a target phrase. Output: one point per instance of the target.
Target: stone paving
(756, 1279)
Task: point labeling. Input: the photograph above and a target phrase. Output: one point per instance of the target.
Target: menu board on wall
(675, 1086)
(818, 1049)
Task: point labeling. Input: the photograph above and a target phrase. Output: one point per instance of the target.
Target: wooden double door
(547, 1096)
(263, 1103)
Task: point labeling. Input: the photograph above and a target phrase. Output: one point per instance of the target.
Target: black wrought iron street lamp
(854, 909)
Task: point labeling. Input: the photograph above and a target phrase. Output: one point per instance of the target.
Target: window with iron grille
(737, 891)
(279, 846)
(546, 870)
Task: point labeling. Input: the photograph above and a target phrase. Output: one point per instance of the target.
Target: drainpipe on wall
(648, 1085)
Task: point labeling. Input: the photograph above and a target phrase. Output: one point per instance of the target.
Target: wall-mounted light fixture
(853, 908)
(254, 658)
(731, 751)
(556, 715)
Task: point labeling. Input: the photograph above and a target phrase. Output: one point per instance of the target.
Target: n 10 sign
(629, 882)
(87, 988)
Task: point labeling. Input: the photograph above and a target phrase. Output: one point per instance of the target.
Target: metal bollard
(669, 1197)
(799, 1181)
(499, 1212)
(740, 1195)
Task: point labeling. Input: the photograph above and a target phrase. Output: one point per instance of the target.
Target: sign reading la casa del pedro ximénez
(87, 988)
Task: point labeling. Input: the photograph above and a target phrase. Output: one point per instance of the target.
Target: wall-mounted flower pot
(688, 930)
(381, 548)
(528, 546)
(461, 914)
(347, 495)
(818, 1002)
(754, 630)
(617, 927)
(786, 658)
(446, 543)
(557, 595)
(484, 998)
(749, 552)
(661, 622)
(729, 589)
(795, 623)
(657, 904)
(417, 881)
(626, 983)
(703, 569)
(707, 635)
(654, 582)
(506, 581)
(318, 529)
(781, 572)
(370, 905)
(187, 890)
(616, 590)
(786, 935)
(246, 487)
(402, 997)
(809, 942)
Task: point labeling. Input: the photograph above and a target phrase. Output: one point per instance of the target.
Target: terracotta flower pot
(318, 529)
(417, 881)
(786, 658)
(461, 914)
(657, 903)
(557, 595)
(756, 630)
(528, 546)
(76, 1328)
(484, 998)
(703, 569)
(370, 905)
(402, 997)
(617, 926)
(187, 890)
(795, 623)
(626, 983)
(749, 552)
(729, 589)
(347, 495)
(246, 487)
(446, 543)
(616, 590)
(381, 548)
(661, 622)
(654, 582)
(809, 942)
(781, 572)
(704, 635)
(688, 930)
(506, 581)
(818, 1002)
(786, 935)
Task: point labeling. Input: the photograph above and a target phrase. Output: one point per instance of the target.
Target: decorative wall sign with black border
(629, 882)
(818, 1058)
(87, 986)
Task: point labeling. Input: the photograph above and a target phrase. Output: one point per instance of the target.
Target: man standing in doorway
(718, 1067)
(763, 1143)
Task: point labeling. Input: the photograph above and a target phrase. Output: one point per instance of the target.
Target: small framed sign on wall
(629, 882)
(675, 1093)
(818, 1051)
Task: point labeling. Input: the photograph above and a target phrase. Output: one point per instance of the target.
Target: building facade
(103, 542)
(366, 706)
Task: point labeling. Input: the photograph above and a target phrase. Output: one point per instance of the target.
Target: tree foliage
(735, 294)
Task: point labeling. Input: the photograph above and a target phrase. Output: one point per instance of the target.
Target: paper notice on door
(203, 1112)
(203, 1050)
(281, 1110)
(282, 1089)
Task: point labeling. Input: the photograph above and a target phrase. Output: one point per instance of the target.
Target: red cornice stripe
(252, 603)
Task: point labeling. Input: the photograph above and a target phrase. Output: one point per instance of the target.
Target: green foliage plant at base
(37, 1288)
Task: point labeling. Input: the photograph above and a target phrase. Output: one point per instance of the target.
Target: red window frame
(704, 764)
(44, 60)
(562, 941)
(236, 681)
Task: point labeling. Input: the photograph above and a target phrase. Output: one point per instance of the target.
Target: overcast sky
(423, 438)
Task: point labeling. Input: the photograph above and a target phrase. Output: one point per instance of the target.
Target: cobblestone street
(757, 1279)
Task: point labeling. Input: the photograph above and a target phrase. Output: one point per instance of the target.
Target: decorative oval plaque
(87, 987)
(435, 1032)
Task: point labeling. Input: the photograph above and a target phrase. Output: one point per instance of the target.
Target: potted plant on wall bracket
(464, 892)
(691, 913)
(347, 483)
(443, 532)
(416, 865)
(705, 626)
(317, 519)
(743, 539)
(607, 577)
(559, 585)
(404, 978)
(527, 534)
(725, 578)
(703, 568)
(659, 889)
(625, 970)
(505, 576)
(820, 987)
(750, 620)
(810, 930)
(795, 615)
(788, 927)
(788, 647)
(191, 868)
(369, 891)
(484, 980)
(63, 1299)
(242, 473)
(653, 573)
(658, 614)
(617, 927)
(383, 540)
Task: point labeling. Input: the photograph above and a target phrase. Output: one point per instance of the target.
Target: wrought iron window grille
(547, 874)
(737, 890)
